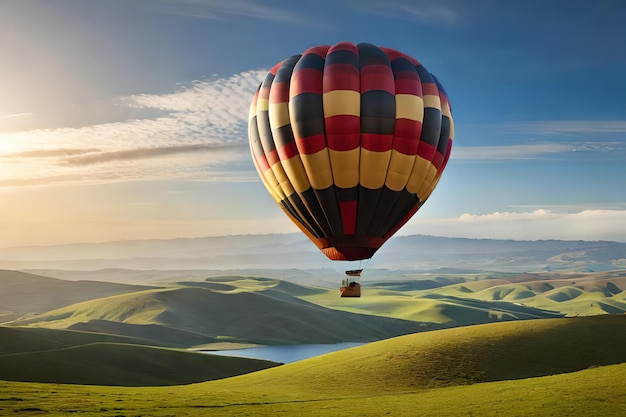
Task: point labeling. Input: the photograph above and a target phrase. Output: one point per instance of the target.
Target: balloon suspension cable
(357, 272)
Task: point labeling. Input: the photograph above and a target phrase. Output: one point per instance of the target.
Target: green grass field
(126, 359)
(552, 367)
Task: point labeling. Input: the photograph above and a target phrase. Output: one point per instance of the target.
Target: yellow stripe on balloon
(420, 169)
(342, 102)
(282, 179)
(262, 104)
(345, 166)
(410, 107)
(269, 179)
(317, 166)
(295, 171)
(423, 192)
(400, 167)
(429, 101)
(373, 177)
(279, 114)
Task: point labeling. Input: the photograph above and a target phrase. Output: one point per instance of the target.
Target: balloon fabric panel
(350, 140)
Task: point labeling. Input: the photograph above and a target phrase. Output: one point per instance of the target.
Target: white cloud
(508, 152)
(540, 224)
(201, 129)
(569, 126)
(14, 115)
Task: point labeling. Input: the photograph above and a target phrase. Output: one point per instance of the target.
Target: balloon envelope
(350, 141)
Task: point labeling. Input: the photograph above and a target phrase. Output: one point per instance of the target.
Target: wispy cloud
(508, 152)
(200, 128)
(225, 9)
(568, 126)
(14, 115)
(147, 153)
(46, 153)
(424, 11)
(589, 224)
(542, 139)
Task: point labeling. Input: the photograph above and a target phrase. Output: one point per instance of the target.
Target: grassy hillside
(449, 300)
(246, 310)
(534, 367)
(23, 294)
(23, 340)
(123, 365)
(467, 355)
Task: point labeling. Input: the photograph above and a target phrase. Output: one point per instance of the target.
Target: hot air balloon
(350, 141)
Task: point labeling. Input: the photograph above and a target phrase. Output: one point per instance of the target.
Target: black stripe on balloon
(344, 57)
(316, 211)
(347, 194)
(368, 199)
(444, 137)
(402, 64)
(431, 127)
(371, 55)
(314, 227)
(378, 112)
(405, 210)
(384, 207)
(307, 114)
(283, 135)
(405, 201)
(425, 76)
(263, 120)
(311, 61)
(330, 208)
(289, 207)
(283, 75)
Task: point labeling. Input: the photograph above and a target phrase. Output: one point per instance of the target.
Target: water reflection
(285, 354)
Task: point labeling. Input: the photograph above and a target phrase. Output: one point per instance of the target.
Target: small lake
(285, 353)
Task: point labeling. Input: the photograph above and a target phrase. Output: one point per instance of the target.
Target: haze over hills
(285, 251)
(197, 314)
(26, 294)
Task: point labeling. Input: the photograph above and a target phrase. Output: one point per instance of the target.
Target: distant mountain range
(288, 251)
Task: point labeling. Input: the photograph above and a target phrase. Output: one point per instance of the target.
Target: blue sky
(126, 119)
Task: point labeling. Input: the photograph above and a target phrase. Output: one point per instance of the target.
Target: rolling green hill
(123, 365)
(22, 340)
(246, 313)
(553, 367)
(450, 300)
(23, 294)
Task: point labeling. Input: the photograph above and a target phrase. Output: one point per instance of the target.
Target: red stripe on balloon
(407, 134)
(306, 80)
(348, 216)
(288, 151)
(311, 144)
(376, 142)
(279, 93)
(272, 157)
(437, 160)
(341, 77)
(343, 132)
(377, 77)
(262, 163)
(426, 151)
(408, 83)
(430, 89)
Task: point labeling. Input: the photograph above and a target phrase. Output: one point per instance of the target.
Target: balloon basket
(350, 287)
(352, 290)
